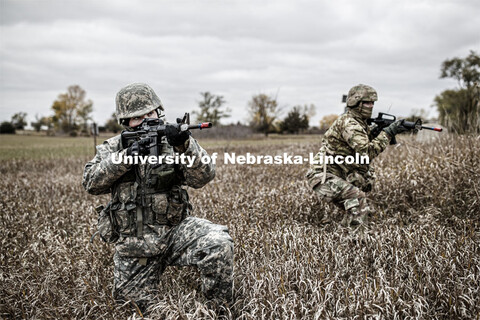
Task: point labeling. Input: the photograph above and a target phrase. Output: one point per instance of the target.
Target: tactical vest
(333, 144)
(147, 196)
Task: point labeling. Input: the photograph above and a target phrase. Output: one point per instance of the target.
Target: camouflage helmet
(135, 100)
(361, 92)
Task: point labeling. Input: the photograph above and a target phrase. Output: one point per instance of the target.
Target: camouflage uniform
(345, 184)
(151, 211)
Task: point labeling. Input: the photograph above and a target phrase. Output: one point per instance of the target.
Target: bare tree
(211, 109)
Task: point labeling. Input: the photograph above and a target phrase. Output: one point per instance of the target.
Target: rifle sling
(139, 222)
(324, 173)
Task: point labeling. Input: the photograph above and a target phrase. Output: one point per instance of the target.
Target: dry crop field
(420, 260)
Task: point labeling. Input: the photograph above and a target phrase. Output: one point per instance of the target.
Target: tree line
(71, 114)
(458, 108)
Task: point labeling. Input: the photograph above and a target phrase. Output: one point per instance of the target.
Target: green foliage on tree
(263, 111)
(7, 128)
(211, 109)
(296, 120)
(71, 110)
(459, 109)
(112, 124)
(19, 120)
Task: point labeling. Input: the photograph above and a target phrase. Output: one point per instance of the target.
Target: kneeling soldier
(148, 216)
(345, 184)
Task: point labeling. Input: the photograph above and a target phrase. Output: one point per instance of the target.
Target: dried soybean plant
(420, 260)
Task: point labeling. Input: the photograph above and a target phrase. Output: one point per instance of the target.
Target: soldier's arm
(199, 174)
(357, 138)
(100, 173)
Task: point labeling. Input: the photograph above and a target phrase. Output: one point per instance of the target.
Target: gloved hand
(395, 128)
(139, 148)
(175, 137)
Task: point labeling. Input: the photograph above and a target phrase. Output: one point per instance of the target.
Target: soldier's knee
(323, 192)
(224, 246)
(217, 253)
(216, 244)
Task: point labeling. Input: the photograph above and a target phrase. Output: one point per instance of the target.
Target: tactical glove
(395, 128)
(139, 148)
(175, 137)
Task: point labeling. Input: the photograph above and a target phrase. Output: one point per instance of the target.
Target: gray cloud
(306, 51)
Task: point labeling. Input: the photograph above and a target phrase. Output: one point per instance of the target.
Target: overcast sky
(303, 51)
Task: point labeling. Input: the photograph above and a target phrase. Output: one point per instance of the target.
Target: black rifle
(154, 129)
(383, 120)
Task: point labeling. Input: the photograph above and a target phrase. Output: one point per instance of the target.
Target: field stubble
(421, 259)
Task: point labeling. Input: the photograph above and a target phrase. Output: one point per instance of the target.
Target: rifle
(155, 130)
(383, 120)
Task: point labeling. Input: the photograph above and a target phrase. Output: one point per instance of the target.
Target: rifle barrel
(432, 128)
(200, 126)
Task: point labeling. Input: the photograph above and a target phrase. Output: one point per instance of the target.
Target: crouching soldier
(345, 184)
(148, 216)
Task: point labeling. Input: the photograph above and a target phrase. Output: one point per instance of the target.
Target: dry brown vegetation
(420, 260)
